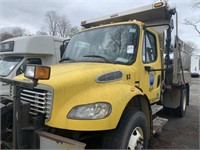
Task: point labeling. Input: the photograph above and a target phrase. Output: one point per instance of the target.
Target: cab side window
(34, 61)
(149, 52)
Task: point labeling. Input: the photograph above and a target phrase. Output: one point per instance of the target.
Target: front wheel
(131, 132)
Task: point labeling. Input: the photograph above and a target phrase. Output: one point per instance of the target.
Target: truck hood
(78, 73)
(81, 68)
(82, 73)
(83, 76)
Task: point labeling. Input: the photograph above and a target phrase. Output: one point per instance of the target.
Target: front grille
(40, 101)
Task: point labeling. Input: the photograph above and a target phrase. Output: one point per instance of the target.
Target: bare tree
(72, 31)
(42, 31)
(5, 36)
(64, 26)
(10, 32)
(52, 20)
(57, 25)
(18, 31)
(195, 23)
(191, 46)
(196, 4)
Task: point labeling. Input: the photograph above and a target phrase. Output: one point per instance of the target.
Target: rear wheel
(131, 132)
(188, 94)
(181, 110)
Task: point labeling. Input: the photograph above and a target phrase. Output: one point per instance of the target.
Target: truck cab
(16, 53)
(114, 76)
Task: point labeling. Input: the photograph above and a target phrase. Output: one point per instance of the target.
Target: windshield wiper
(99, 56)
(66, 59)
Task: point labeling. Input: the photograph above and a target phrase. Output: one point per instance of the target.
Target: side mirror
(63, 47)
(167, 44)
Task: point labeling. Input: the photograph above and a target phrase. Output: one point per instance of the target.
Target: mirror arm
(149, 69)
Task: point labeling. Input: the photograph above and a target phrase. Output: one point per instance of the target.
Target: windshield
(7, 64)
(113, 44)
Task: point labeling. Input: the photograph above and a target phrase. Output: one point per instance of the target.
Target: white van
(15, 53)
(195, 65)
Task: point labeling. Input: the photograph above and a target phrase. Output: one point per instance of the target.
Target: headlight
(90, 111)
(30, 72)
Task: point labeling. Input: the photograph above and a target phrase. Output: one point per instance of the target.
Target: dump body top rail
(145, 14)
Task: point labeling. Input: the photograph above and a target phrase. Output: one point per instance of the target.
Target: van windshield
(111, 44)
(8, 63)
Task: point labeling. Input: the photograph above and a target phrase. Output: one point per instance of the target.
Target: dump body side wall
(181, 64)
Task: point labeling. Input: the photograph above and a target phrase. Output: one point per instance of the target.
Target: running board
(156, 108)
(158, 123)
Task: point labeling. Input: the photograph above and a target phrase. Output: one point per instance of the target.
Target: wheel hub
(136, 140)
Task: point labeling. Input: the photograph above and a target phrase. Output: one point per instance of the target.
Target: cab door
(150, 80)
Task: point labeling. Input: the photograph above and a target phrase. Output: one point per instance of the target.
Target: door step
(156, 108)
(158, 123)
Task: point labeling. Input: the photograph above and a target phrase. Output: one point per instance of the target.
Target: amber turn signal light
(160, 4)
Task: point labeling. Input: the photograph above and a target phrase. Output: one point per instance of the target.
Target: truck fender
(142, 103)
(116, 94)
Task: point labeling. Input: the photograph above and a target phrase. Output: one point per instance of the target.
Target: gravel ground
(181, 133)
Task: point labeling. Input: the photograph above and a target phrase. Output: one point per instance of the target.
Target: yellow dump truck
(115, 75)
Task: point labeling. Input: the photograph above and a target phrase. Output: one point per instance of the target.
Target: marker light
(132, 89)
(160, 4)
(83, 22)
(37, 72)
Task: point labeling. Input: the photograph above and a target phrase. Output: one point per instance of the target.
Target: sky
(29, 14)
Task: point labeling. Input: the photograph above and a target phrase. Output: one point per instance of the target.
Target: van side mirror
(63, 47)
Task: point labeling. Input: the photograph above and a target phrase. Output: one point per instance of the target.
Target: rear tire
(188, 94)
(131, 132)
(181, 110)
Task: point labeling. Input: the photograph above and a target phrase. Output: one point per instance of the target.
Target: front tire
(131, 132)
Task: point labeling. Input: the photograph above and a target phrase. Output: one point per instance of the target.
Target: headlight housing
(90, 111)
(37, 72)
